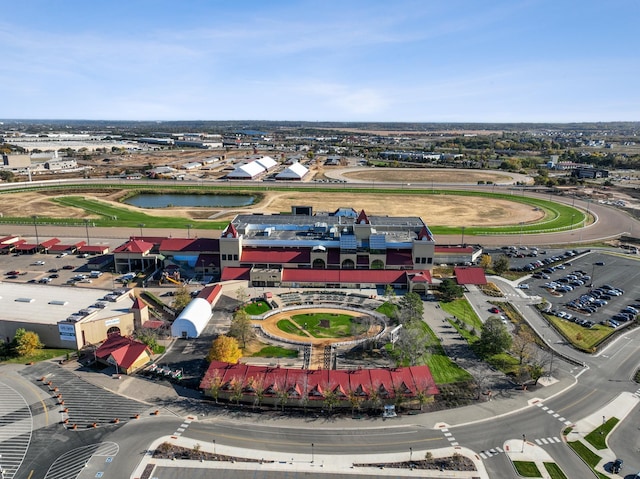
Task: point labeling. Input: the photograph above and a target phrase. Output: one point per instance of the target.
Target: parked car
(617, 466)
(494, 310)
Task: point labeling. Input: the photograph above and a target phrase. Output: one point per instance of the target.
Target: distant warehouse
(589, 173)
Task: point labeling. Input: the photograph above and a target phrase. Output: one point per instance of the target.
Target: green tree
(411, 345)
(390, 294)
(182, 298)
(450, 290)
(6, 175)
(501, 264)
(411, 308)
(148, 337)
(224, 349)
(25, 343)
(242, 328)
(494, 337)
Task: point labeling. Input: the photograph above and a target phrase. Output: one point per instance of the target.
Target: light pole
(521, 225)
(312, 454)
(463, 236)
(572, 216)
(524, 439)
(141, 225)
(214, 446)
(602, 428)
(189, 226)
(86, 226)
(35, 226)
(410, 454)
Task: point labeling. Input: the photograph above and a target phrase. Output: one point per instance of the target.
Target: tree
(411, 308)
(182, 298)
(241, 295)
(25, 343)
(522, 345)
(411, 346)
(6, 175)
(242, 328)
(450, 290)
(214, 388)
(501, 264)
(148, 337)
(224, 349)
(494, 337)
(486, 261)
(390, 294)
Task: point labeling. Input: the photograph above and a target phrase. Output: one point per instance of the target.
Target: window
(224, 257)
(235, 257)
(429, 260)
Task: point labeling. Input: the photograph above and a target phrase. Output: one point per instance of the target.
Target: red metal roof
(138, 304)
(175, 244)
(313, 383)
(8, 239)
(232, 273)
(276, 255)
(420, 277)
(66, 247)
(125, 351)
(375, 276)
(97, 249)
(210, 293)
(134, 246)
(49, 243)
(470, 275)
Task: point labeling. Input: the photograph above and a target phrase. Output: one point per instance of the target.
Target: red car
(13, 273)
(494, 310)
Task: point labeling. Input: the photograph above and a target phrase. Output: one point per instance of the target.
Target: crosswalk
(15, 430)
(70, 464)
(543, 441)
(637, 393)
(554, 414)
(183, 427)
(449, 437)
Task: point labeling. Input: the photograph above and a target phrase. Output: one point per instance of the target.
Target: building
(312, 388)
(253, 169)
(126, 354)
(294, 172)
(592, 173)
(195, 317)
(66, 317)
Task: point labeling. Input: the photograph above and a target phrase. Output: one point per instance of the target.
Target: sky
(321, 60)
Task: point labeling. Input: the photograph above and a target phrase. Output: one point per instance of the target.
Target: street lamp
(35, 225)
(86, 226)
(189, 226)
(463, 236)
(521, 225)
(410, 454)
(312, 454)
(524, 439)
(141, 225)
(572, 216)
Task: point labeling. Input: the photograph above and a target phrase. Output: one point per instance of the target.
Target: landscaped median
(529, 460)
(588, 437)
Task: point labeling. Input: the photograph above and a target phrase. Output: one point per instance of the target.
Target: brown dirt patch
(425, 175)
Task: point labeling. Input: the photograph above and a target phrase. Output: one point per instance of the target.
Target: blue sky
(324, 60)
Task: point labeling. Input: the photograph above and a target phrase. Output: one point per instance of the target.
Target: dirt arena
(441, 210)
(425, 175)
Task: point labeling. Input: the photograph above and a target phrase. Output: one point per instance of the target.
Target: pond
(146, 200)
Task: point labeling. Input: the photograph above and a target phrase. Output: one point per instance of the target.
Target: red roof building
(125, 353)
(293, 386)
(470, 275)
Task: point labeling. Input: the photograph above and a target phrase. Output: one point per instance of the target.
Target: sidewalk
(310, 462)
(619, 408)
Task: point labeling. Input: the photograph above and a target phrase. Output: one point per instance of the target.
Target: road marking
(544, 408)
(544, 441)
(538, 442)
(556, 415)
(578, 401)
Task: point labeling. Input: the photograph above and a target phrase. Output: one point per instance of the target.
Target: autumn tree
(523, 345)
(224, 349)
(25, 343)
(486, 261)
(241, 327)
(182, 298)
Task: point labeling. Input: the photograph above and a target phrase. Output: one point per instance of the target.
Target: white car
(39, 263)
(523, 286)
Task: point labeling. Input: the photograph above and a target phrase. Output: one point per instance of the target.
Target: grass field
(275, 352)
(340, 325)
(288, 327)
(554, 470)
(388, 309)
(461, 309)
(591, 458)
(585, 339)
(40, 355)
(597, 437)
(556, 216)
(443, 370)
(257, 308)
(527, 468)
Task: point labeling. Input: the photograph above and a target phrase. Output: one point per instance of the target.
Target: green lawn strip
(388, 309)
(504, 362)
(598, 436)
(527, 468)
(587, 455)
(585, 339)
(557, 216)
(257, 308)
(465, 333)
(288, 327)
(443, 370)
(40, 355)
(461, 309)
(554, 470)
(275, 352)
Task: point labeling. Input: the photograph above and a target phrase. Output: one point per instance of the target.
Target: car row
(547, 261)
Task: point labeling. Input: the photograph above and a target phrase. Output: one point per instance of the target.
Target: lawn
(527, 469)
(388, 309)
(598, 436)
(257, 308)
(585, 339)
(340, 325)
(461, 309)
(40, 355)
(554, 470)
(443, 370)
(276, 352)
(288, 327)
(589, 457)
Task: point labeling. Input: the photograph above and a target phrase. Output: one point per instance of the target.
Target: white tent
(193, 319)
(267, 162)
(247, 171)
(296, 171)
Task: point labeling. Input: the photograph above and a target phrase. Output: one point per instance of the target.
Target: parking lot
(590, 288)
(51, 269)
